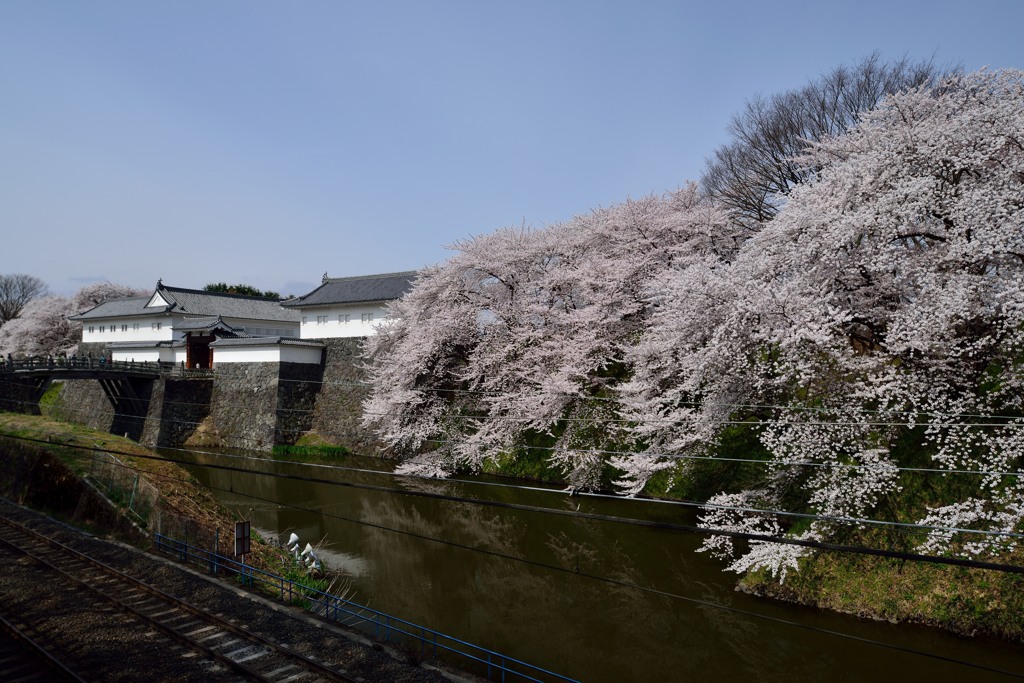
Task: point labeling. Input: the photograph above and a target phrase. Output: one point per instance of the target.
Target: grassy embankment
(963, 600)
(72, 447)
(312, 448)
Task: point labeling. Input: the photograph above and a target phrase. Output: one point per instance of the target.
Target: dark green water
(595, 600)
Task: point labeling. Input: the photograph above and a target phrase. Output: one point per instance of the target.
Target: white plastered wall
(134, 329)
(271, 353)
(329, 322)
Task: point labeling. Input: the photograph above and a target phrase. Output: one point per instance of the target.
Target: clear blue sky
(267, 142)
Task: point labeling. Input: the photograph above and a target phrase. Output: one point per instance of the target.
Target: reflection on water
(591, 599)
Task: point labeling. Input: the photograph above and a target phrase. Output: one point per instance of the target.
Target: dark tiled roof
(360, 289)
(194, 302)
(117, 308)
(197, 302)
(135, 345)
(146, 344)
(205, 323)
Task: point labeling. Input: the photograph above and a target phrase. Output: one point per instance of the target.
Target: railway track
(177, 632)
(23, 660)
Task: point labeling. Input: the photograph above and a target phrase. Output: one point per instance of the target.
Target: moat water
(596, 600)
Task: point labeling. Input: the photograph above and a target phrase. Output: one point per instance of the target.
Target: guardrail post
(216, 551)
(135, 486)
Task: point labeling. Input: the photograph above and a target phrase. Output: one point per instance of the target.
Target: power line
(818, 545)
(598, 451)
(1014, 420)
(850, 520)
(681, 503)
(617, 582)
(697, 404)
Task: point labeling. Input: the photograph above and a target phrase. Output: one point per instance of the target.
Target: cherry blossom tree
(883, 299)
(43, 328)
(889, 283)
(93, 295)
(522, 333)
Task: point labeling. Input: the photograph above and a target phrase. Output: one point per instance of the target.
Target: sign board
(242, 538)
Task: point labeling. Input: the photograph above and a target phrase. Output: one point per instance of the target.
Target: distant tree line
(247, 290)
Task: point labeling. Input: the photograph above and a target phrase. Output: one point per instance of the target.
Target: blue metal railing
(383, 626)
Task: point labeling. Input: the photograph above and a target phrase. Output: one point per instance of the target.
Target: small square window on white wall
(343, 318)
(367, 317)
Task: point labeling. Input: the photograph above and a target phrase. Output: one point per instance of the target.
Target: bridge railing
(99, 364)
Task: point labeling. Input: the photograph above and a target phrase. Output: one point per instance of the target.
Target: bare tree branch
(16, 291)
(752, 175)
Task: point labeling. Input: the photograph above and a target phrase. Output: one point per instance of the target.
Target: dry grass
(180, 493)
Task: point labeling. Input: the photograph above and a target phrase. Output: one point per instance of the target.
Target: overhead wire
(857, 521)
(596, 451)
(745, 510)
(698, 404)
(714, 531)
(575, 571)
(667, 502)
(946, 417)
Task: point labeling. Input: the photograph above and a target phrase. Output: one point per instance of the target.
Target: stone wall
(299, 385)
(250, 406)
(177, 409)
(338, 408)
(82, 401)
(243, 405)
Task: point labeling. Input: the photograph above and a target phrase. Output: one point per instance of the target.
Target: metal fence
(123, 485)
(383, 626)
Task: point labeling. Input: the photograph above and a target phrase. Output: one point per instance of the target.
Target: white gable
(157, 301)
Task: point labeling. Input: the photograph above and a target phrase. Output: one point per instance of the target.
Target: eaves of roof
(355, 290)
(118, 308)
(265, 341)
